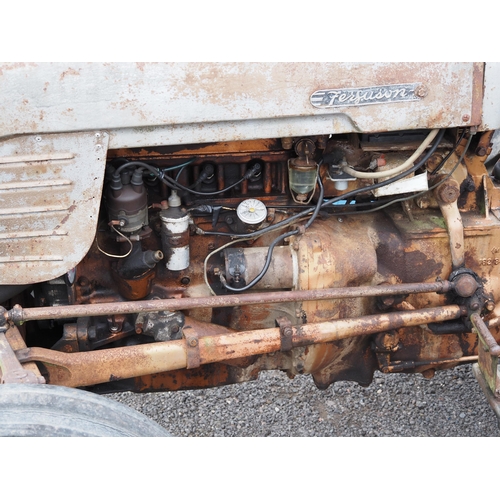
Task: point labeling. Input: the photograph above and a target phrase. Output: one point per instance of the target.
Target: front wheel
(48, 410)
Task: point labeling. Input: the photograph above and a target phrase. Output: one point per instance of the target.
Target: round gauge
(251, 211)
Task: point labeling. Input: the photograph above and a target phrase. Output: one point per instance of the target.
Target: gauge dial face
(251, 211)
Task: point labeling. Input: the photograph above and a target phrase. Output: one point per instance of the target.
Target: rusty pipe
(20, 315)
(89, 368)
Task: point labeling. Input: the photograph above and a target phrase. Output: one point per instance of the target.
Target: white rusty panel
(174, 103)
(491, 103)
(50, 192)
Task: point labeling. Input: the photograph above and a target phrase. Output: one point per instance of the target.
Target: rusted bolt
(490, 305)
(421, 91)
(475, 306)
(185, 280)
(175, 329)
(465, 286)
(193, 342)
(287, 331)
(465, 118)
(340, 219)
(138, 330)
(481, 151)
(449, 191)
(287, 142)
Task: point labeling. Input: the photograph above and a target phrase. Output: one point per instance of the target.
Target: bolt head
(465, 285)
(193, 342)
(421, 91)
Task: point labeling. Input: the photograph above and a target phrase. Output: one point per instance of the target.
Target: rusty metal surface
(11, 370)
(19, 314)
(16, 341)
(147, 104)
(89, 368)
(50, 193)
(488, 350)
(447, 195)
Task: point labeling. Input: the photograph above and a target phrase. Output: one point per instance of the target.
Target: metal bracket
(192, 348)
(11, 370)
(286, 333)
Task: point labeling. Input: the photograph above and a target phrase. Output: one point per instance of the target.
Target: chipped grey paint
(149, 104)
(50, 192)
(491, 102)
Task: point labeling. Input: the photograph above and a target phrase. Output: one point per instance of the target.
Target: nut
(193, 342)
(465, 118)
(449, 191)
(465, 285)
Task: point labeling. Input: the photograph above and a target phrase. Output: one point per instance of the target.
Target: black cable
(318, 205)
(264, 269)
(151, 168)
(275, 242)
(355, 192)
(402, 175)
(416, 195)
(175, 185)
(440, 166)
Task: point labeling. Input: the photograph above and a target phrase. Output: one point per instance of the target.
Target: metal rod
(19, 315)
(89, 368)
(483, 330)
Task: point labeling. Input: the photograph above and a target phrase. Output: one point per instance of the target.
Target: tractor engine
(307, 214)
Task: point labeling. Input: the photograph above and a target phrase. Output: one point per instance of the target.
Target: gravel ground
(450, 404)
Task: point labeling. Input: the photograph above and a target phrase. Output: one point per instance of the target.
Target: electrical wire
(406, 198)
(207, 258)
(110, 254)
(269, 257)
(172, 184)
(270, 250)
(396, 170)
(444, 160)
(355, 192)
(149, 167)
